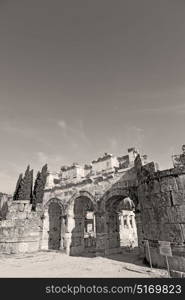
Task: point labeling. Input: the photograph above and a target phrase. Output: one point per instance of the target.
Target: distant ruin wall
(162, 201)
(97, 187)
(159, 198)
(21, 230)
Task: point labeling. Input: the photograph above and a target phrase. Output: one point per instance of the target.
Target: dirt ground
(56, 264)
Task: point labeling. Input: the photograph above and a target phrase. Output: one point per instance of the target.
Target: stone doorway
(54, 227)
(127, 229)
(89, 231)
(83, 235)
(121, 225)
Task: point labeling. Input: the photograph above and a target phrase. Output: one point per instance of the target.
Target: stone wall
(158, 196)
(96, 186)
(161, 196)
(21, 230)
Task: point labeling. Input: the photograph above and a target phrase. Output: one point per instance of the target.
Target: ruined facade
(92, 189)
(84, 210)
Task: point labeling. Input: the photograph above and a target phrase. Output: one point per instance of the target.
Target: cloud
(158, 101)
(42, 157)
(169, 101)
(9, 127)
(54, 161)
(113, 142)
(7, 182)
(22, 131)
(62, 124)
(175, 109)
(136, 136)
(73, 134)
(4, 175)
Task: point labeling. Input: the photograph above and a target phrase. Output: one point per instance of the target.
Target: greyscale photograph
(92, 155)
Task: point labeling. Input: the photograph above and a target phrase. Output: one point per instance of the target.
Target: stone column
(68, 235)
(121, 227)
(94, 221)
(101, 234)
(139, 233)
(63, 231)
(45, 232)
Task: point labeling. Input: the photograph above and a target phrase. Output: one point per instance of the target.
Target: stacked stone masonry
(156, 197)
(21, 230)
(162, 201)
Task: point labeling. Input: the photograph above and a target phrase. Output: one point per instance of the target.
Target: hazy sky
(82, 77)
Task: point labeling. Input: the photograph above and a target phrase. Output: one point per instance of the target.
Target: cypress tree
(20, 194)
(17, 189)
(44, 174)
(31, 186)
(36, 190)
(24, 186)
(40, 182)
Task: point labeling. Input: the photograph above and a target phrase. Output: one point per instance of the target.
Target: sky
(82, 77)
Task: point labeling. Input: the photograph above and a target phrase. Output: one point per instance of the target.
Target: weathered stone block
(154, 186)
(178, 197)
(158, 214)
(178, 249)
(180, 180)
(21, 207)
(168, 183)
(176, 214)
(151, 232)
(6, 223)
(171, 232)
(145, 199)
(182, 226)
(177, 274)
(164, 199)
(147, 216)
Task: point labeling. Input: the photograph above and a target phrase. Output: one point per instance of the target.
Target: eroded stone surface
(158, 197)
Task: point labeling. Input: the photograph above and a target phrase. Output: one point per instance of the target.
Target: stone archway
(82, 223)
(108, 219)
(127, 224)
(121, 225)
(54, 226)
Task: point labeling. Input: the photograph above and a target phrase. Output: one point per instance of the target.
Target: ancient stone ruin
(99, 208)
(4, 199)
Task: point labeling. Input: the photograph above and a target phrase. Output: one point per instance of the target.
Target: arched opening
(54, 227)
(83, 238)
(120, 224)
(127, 224)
